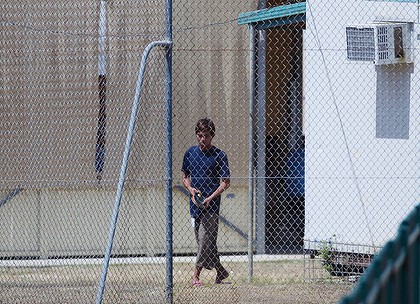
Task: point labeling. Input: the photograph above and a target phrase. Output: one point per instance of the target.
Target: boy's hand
(199, 200)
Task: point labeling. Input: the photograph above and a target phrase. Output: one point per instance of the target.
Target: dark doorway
(285, 201)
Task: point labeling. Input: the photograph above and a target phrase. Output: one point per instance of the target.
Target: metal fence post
(169, 177)
(251, 151)
(127, 149)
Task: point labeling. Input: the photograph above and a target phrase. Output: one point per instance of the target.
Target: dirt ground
(272, 282)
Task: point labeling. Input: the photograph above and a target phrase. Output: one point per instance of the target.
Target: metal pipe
(126, 155)
(260, 139)
(169, 177)
(251, 151)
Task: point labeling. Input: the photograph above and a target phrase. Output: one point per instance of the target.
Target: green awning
(275, 16)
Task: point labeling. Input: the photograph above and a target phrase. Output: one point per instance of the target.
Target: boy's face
(204, 140)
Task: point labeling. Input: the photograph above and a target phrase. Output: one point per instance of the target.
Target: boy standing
(206, 172)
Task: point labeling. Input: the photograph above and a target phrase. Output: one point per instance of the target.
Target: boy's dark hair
(205, 124)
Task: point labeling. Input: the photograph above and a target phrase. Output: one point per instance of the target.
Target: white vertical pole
(102, 41)
(102, 71)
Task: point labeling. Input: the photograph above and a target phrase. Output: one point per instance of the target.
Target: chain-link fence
(315, 105)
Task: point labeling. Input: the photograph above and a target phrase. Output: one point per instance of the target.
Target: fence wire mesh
(318, 123)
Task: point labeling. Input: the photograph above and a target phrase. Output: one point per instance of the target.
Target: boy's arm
(224, 184)
(186, 181)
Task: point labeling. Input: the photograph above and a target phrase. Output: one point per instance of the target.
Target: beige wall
(49, 83)
(50, 101)
(211, 68)
(49, 108)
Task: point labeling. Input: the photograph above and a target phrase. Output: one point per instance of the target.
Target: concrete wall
(65, 223)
